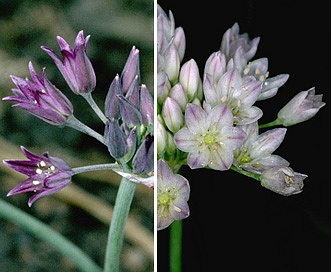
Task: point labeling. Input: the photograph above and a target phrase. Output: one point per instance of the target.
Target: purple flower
(300, 108)
(283, 180)
(76, 66)
(173, 191)
(143, 161)
(47, 174)
(209, 137)
(41, 98)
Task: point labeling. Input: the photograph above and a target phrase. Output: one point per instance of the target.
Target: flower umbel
(41, 98)
(76, 66)
(47, 174)
(173, 192)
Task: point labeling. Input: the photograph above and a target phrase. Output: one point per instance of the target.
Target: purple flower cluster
(128, 117)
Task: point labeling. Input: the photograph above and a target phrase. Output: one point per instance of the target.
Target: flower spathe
(75, 65)
(46, 175)
(41, 98)
(209, 137)
(173, 192)
(283, 180)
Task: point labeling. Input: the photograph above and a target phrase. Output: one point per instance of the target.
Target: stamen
(42, 164)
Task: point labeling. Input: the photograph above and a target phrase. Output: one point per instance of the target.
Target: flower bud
(180, 42)
(300, 108)
(215, 66)
(143, 161)
(131, 70)
(146, 105)
(129, 113)
(172, 115)
(112, 109)
(161, 137)
(131, 143)
(189, 78)
(178, 93)
(163, 87)
(172, 63)
(116, 139)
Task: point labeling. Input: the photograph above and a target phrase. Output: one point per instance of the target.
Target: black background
(235, 223)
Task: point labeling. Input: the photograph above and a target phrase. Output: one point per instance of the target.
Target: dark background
(234, 222)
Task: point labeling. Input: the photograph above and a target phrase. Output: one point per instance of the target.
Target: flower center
(209, 139)
(164, 199)
(166, 196)
(43, 168)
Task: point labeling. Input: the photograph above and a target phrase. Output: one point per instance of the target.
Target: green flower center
(163, 199)
(209, 139)
(245, 158)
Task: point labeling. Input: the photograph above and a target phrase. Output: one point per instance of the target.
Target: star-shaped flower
(47, 175)
(173, 192)
(209, 137)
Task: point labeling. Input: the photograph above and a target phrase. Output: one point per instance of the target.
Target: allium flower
(173, 191)
(256, 153)
(283, 180)
(300, 108)
(259, 69)
(47, 175)
(41, 98)
(209, 137)
(232, 40)
(143, 161)
(239, 93)
(76, 66)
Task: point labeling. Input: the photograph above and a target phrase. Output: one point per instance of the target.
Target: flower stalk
(116, 230)
(175, 246)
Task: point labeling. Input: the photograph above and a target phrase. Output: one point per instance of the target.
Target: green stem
(271, 124)
(78, 125)
(248, 174)
(95, 167)
(88, 97)
(116, 230)
(45, 233)
(175, 246)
